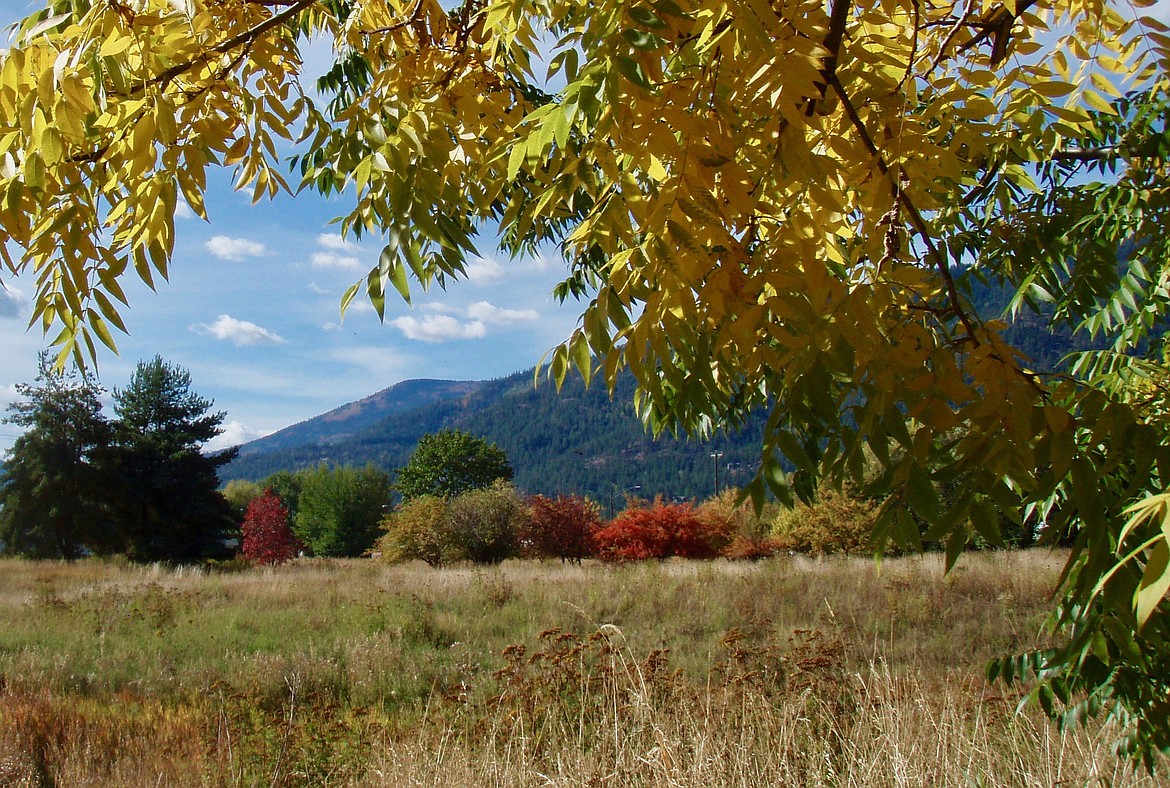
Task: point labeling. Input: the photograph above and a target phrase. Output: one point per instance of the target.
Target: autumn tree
(483, 525)
(562, 528)
(266, 535)
(761, 205)
(417, 531)
(449, 463)
(661, 530)
(738, 532)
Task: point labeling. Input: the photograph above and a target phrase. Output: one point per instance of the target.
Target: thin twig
(954, 31)
(913, 47)
(415, 15)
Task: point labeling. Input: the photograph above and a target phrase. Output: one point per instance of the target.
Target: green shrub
(483, 526)
(340, 509)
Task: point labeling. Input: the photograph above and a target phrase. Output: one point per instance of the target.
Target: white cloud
(542, 262)
(234, 248)
(238, 332)
(334, 260)
(234, 433)
(380, 364)
(489, 313)
(183, 211)
(336, 242)
(485, 270)
(8, 394)
(12, 301)
(438, 328)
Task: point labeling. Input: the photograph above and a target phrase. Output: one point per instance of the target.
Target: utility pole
(715, 455)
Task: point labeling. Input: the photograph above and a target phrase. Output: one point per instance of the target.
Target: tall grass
(791, 671)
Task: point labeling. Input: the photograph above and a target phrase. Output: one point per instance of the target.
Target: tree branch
(997, 25)
(1087, 154)
(246, 37)
(838, 16)
(900, 196)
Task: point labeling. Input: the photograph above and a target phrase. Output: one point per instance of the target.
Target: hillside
(343, 423)
(578, 441)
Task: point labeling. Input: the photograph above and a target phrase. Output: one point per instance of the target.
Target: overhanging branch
(902, 199)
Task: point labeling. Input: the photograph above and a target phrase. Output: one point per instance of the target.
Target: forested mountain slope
(578, 441)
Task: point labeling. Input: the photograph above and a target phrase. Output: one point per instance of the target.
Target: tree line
(77, 483)
(140, 484)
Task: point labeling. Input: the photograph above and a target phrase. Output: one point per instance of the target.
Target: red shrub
(563, 528)
(662, 531)
(267, 536)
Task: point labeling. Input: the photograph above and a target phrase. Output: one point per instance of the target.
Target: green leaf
(582, 357)
(633, 71)
(101, 329)
(985, 519)
(922, 496)
(646, 17)
(641, 39)
(349, 295)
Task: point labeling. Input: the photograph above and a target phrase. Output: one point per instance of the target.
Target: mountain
(580, 441)
(343, 423)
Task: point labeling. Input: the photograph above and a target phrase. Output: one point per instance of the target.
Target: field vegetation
(787, 671)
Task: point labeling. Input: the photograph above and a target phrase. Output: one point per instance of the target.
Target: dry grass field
(790, 671)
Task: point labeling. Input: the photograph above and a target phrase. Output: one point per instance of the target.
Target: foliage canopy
(449, 463)
(761, 204)
(338, 510)
(53, 490)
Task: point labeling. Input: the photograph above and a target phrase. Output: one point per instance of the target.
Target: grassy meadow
(789, 671)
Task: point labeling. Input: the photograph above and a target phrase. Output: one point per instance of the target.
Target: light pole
(715, 455)
(615, 493)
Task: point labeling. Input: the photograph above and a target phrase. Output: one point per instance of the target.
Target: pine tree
(169, 507)
(51, 492)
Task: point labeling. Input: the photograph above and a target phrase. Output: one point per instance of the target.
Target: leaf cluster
(760, 205)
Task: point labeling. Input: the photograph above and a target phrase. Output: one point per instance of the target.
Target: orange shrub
(661, 531)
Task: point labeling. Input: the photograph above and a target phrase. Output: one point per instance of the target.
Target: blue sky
(251, 310)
